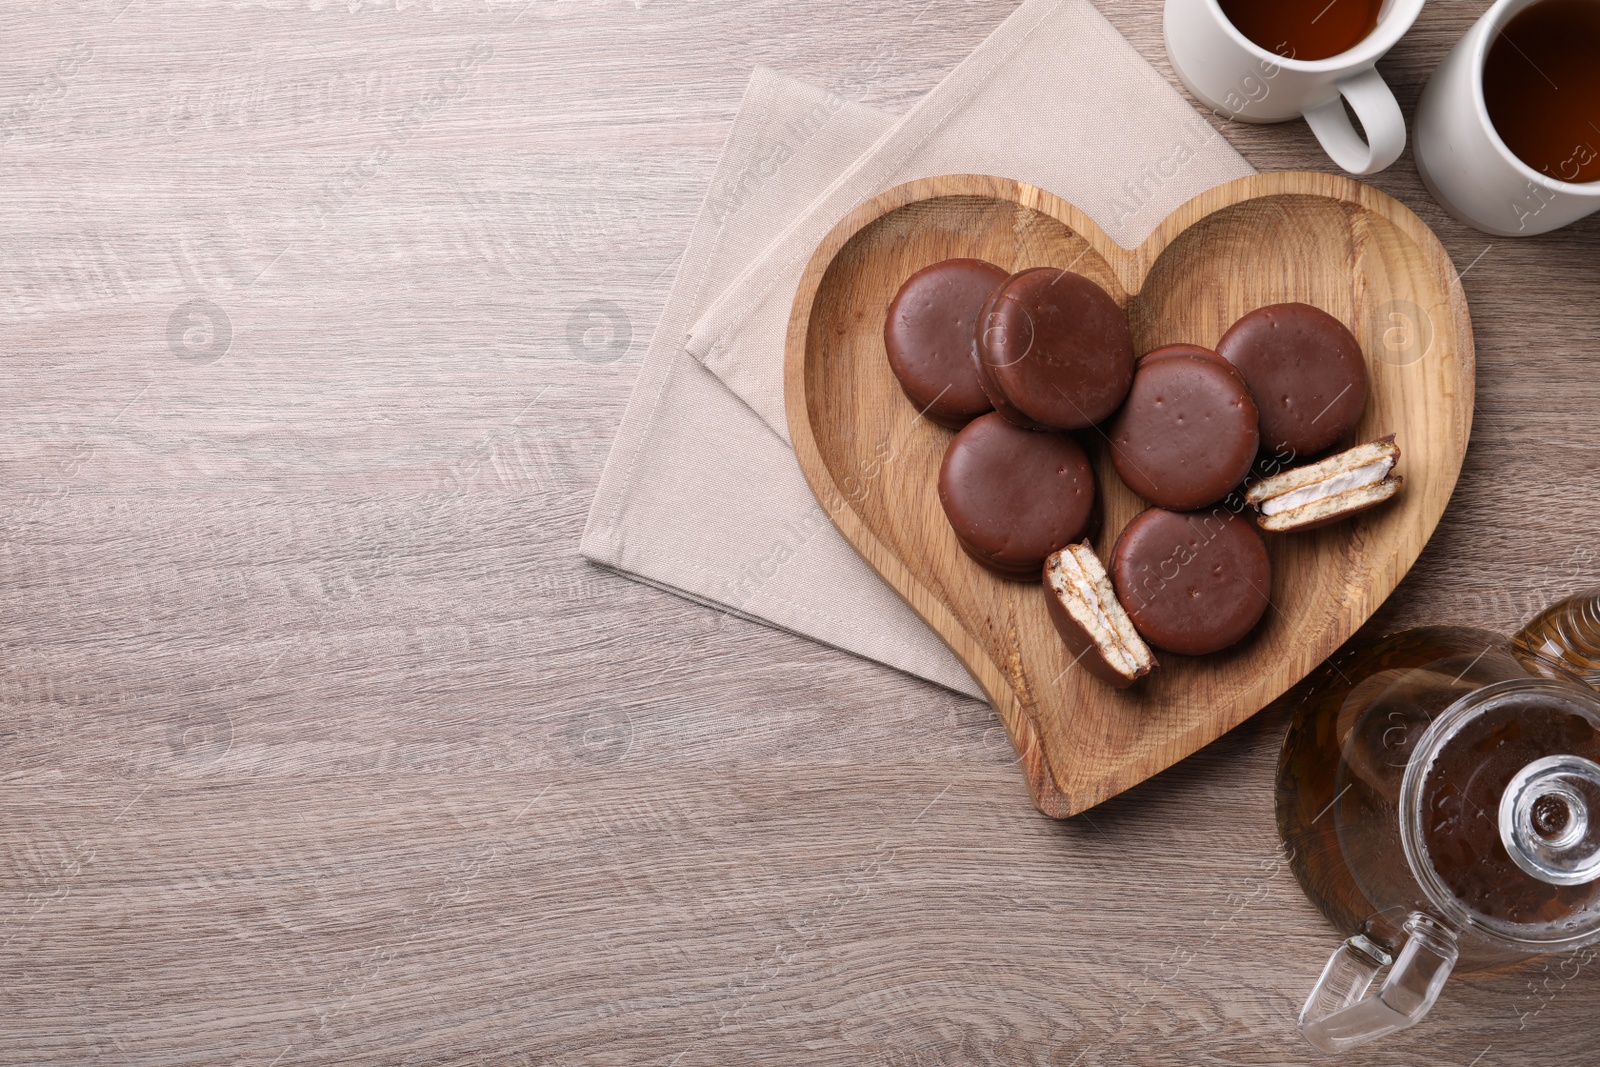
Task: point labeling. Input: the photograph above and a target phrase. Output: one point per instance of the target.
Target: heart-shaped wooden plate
(873, 463)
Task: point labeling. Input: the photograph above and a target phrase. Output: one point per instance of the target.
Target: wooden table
(320, 744)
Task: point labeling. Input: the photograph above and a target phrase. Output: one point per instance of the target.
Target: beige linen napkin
(698, 495)
(701, 494)
(1055, 97)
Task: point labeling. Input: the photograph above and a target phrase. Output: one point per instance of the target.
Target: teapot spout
(1563, 641)
(1339, 1014)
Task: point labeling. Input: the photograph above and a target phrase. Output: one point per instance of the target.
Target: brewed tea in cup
(1541, 84)
(1315, 29)
(1508, 129)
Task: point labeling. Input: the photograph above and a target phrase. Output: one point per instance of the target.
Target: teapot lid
(1500, 812)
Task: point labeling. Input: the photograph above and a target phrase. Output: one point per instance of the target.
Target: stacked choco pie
(1021, 363)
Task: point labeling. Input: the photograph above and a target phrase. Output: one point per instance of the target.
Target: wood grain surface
(1286, 236)
(320, 744)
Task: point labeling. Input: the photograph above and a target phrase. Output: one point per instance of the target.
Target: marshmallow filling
(1086, 593)
(1335, 485)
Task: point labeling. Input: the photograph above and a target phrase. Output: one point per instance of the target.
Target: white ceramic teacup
(1464, 162)
(1239, 79)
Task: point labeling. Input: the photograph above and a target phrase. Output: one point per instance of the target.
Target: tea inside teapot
(1439, 794)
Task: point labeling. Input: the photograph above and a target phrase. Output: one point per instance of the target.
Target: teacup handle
(1338, 1014)
(1374, 103)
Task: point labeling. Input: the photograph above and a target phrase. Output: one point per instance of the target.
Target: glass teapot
(1439, 796)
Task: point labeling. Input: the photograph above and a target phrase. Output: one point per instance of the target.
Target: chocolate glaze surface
(1188, 431)
(1306, 371)
(930, 337)
(1014, 496)
(991, 388)
(1057, 348)
(1195, 351)
(1193, 582)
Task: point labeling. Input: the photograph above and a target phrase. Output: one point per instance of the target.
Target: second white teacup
(1467, 165)
(1239, 78)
